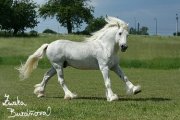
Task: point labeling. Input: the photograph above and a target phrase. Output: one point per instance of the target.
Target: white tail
(32, 62)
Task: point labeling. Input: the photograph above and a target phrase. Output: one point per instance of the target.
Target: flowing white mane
(111, 22)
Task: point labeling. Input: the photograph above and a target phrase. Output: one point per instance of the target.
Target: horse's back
(70, 48)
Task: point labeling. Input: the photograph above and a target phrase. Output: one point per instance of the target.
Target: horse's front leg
(131, 89)
(109, 93)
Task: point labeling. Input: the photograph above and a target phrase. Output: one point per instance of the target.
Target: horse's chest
(108, 61)
(112, 61)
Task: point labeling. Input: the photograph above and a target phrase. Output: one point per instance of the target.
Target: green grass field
(151, 61)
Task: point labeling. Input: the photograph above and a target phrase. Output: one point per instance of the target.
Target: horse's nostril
(124, 46)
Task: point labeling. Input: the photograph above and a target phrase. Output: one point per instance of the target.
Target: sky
(133, 12)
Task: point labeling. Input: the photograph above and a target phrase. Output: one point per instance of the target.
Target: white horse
(97, 52)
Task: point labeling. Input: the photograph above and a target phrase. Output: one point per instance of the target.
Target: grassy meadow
(151, 61)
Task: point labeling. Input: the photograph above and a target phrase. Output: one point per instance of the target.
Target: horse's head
(121, 38)
(121, 32)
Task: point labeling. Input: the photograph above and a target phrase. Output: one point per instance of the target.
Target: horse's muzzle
(124, 48)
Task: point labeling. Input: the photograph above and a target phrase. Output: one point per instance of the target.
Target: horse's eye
(120, 33)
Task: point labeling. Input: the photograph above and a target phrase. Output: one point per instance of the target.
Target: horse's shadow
(154, 99)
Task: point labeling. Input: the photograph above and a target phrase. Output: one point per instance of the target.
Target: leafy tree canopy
(69, 13)
(140, 31)
(18, 15)
(49, 31)
(95, 24)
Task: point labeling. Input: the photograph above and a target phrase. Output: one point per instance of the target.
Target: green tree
(132, 31)
(69, 13)
(24, 15)
(5, 14)
(49, 31)
(18, 15)
(144, 31)
(95, 24)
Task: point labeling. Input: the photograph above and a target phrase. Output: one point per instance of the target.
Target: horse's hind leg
(39, 88)
(68, 93)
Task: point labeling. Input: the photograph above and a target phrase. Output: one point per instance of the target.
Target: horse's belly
(83, 64)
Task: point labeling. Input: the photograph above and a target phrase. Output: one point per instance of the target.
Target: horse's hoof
(112, 98)
(136, 92)
(136, 89)
(39, 91)
(40, 95)
(70, 96)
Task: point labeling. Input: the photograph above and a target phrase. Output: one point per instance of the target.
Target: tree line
(18, 15)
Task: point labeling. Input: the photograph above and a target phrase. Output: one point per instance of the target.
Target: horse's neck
(108, 43)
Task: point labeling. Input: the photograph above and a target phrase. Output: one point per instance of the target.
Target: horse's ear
(118, 25)
(107, 19)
